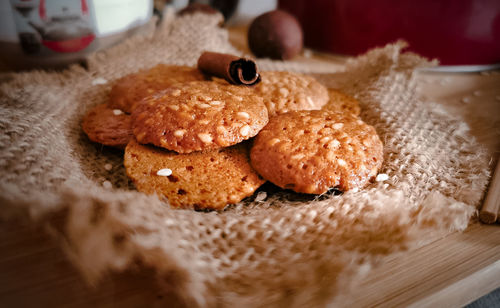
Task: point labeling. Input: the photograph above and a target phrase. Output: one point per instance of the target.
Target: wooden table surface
(449, 272)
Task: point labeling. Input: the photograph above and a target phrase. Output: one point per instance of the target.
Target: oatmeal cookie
(130, 89)
(108, 126)
(312, 151)
(203, 180)
(285, 91)
(199, 115)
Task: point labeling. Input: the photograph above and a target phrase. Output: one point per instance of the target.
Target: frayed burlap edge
(282, 251)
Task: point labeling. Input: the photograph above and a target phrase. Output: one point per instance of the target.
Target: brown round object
(199, 115)
(107, 126)
(285, 91)
(131, 89)
(342, 102)
(203, 180)
(197, 7)
(312, 151)
(276, 35)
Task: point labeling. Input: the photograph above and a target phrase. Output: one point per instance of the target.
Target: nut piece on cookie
(285, 91)
(203, 180)
(131, 89)
(199, 115)
(342, 102)
(312, 151)
(108, 126)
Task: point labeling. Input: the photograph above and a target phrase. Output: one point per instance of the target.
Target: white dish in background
(462, 68)
(54, 33)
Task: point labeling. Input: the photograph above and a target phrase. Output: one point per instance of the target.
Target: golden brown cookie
(130, 89)
(199, 115)
(108, 126)
(312, 151)
(203, 180)
(285, 91)
(342, 102)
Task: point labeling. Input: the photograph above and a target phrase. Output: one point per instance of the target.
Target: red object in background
(73, 45)
(80, 41)
(457, 32)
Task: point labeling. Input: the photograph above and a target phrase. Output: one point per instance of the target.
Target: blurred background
(58, 32)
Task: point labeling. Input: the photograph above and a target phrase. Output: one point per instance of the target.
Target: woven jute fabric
(281, 249)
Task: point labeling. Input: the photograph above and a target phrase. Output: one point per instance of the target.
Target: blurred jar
(55, 33)
(457, 32)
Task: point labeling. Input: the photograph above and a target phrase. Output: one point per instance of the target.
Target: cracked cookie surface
(200, 115)
(313, 151)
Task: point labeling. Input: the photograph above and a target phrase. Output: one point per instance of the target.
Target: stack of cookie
(185, 137)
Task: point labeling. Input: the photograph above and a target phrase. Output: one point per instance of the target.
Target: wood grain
(449, 272)
(491, 206)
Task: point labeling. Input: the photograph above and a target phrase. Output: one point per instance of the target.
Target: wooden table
(449, 272)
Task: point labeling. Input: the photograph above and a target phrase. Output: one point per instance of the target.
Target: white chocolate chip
(297, 156)
(117, 112)
(107, 184)
(221, 129)
(205, 138)
(176, 92)
(164, 172)
(179, 132)
(204, 106)
(284, 91)
(334, 144)
(215, 103)
(99, 81)
(108, 167)
(261, 196)
(273, 141)
(243, 115)
(338, 125)
(245, 130)
(233, 199)
(382, 177)
(310, 101)
(341, 162)
(324, 139)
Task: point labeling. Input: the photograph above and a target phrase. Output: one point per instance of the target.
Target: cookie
(285, 91)
(130, 89)
(203, 180)
(342, 102)
(312, 151)
(108, 126)
(199, 115)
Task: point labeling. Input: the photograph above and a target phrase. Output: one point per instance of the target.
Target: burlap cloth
(287, 250)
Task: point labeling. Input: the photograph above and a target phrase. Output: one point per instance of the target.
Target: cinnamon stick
(236, 70)
(491, 206)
